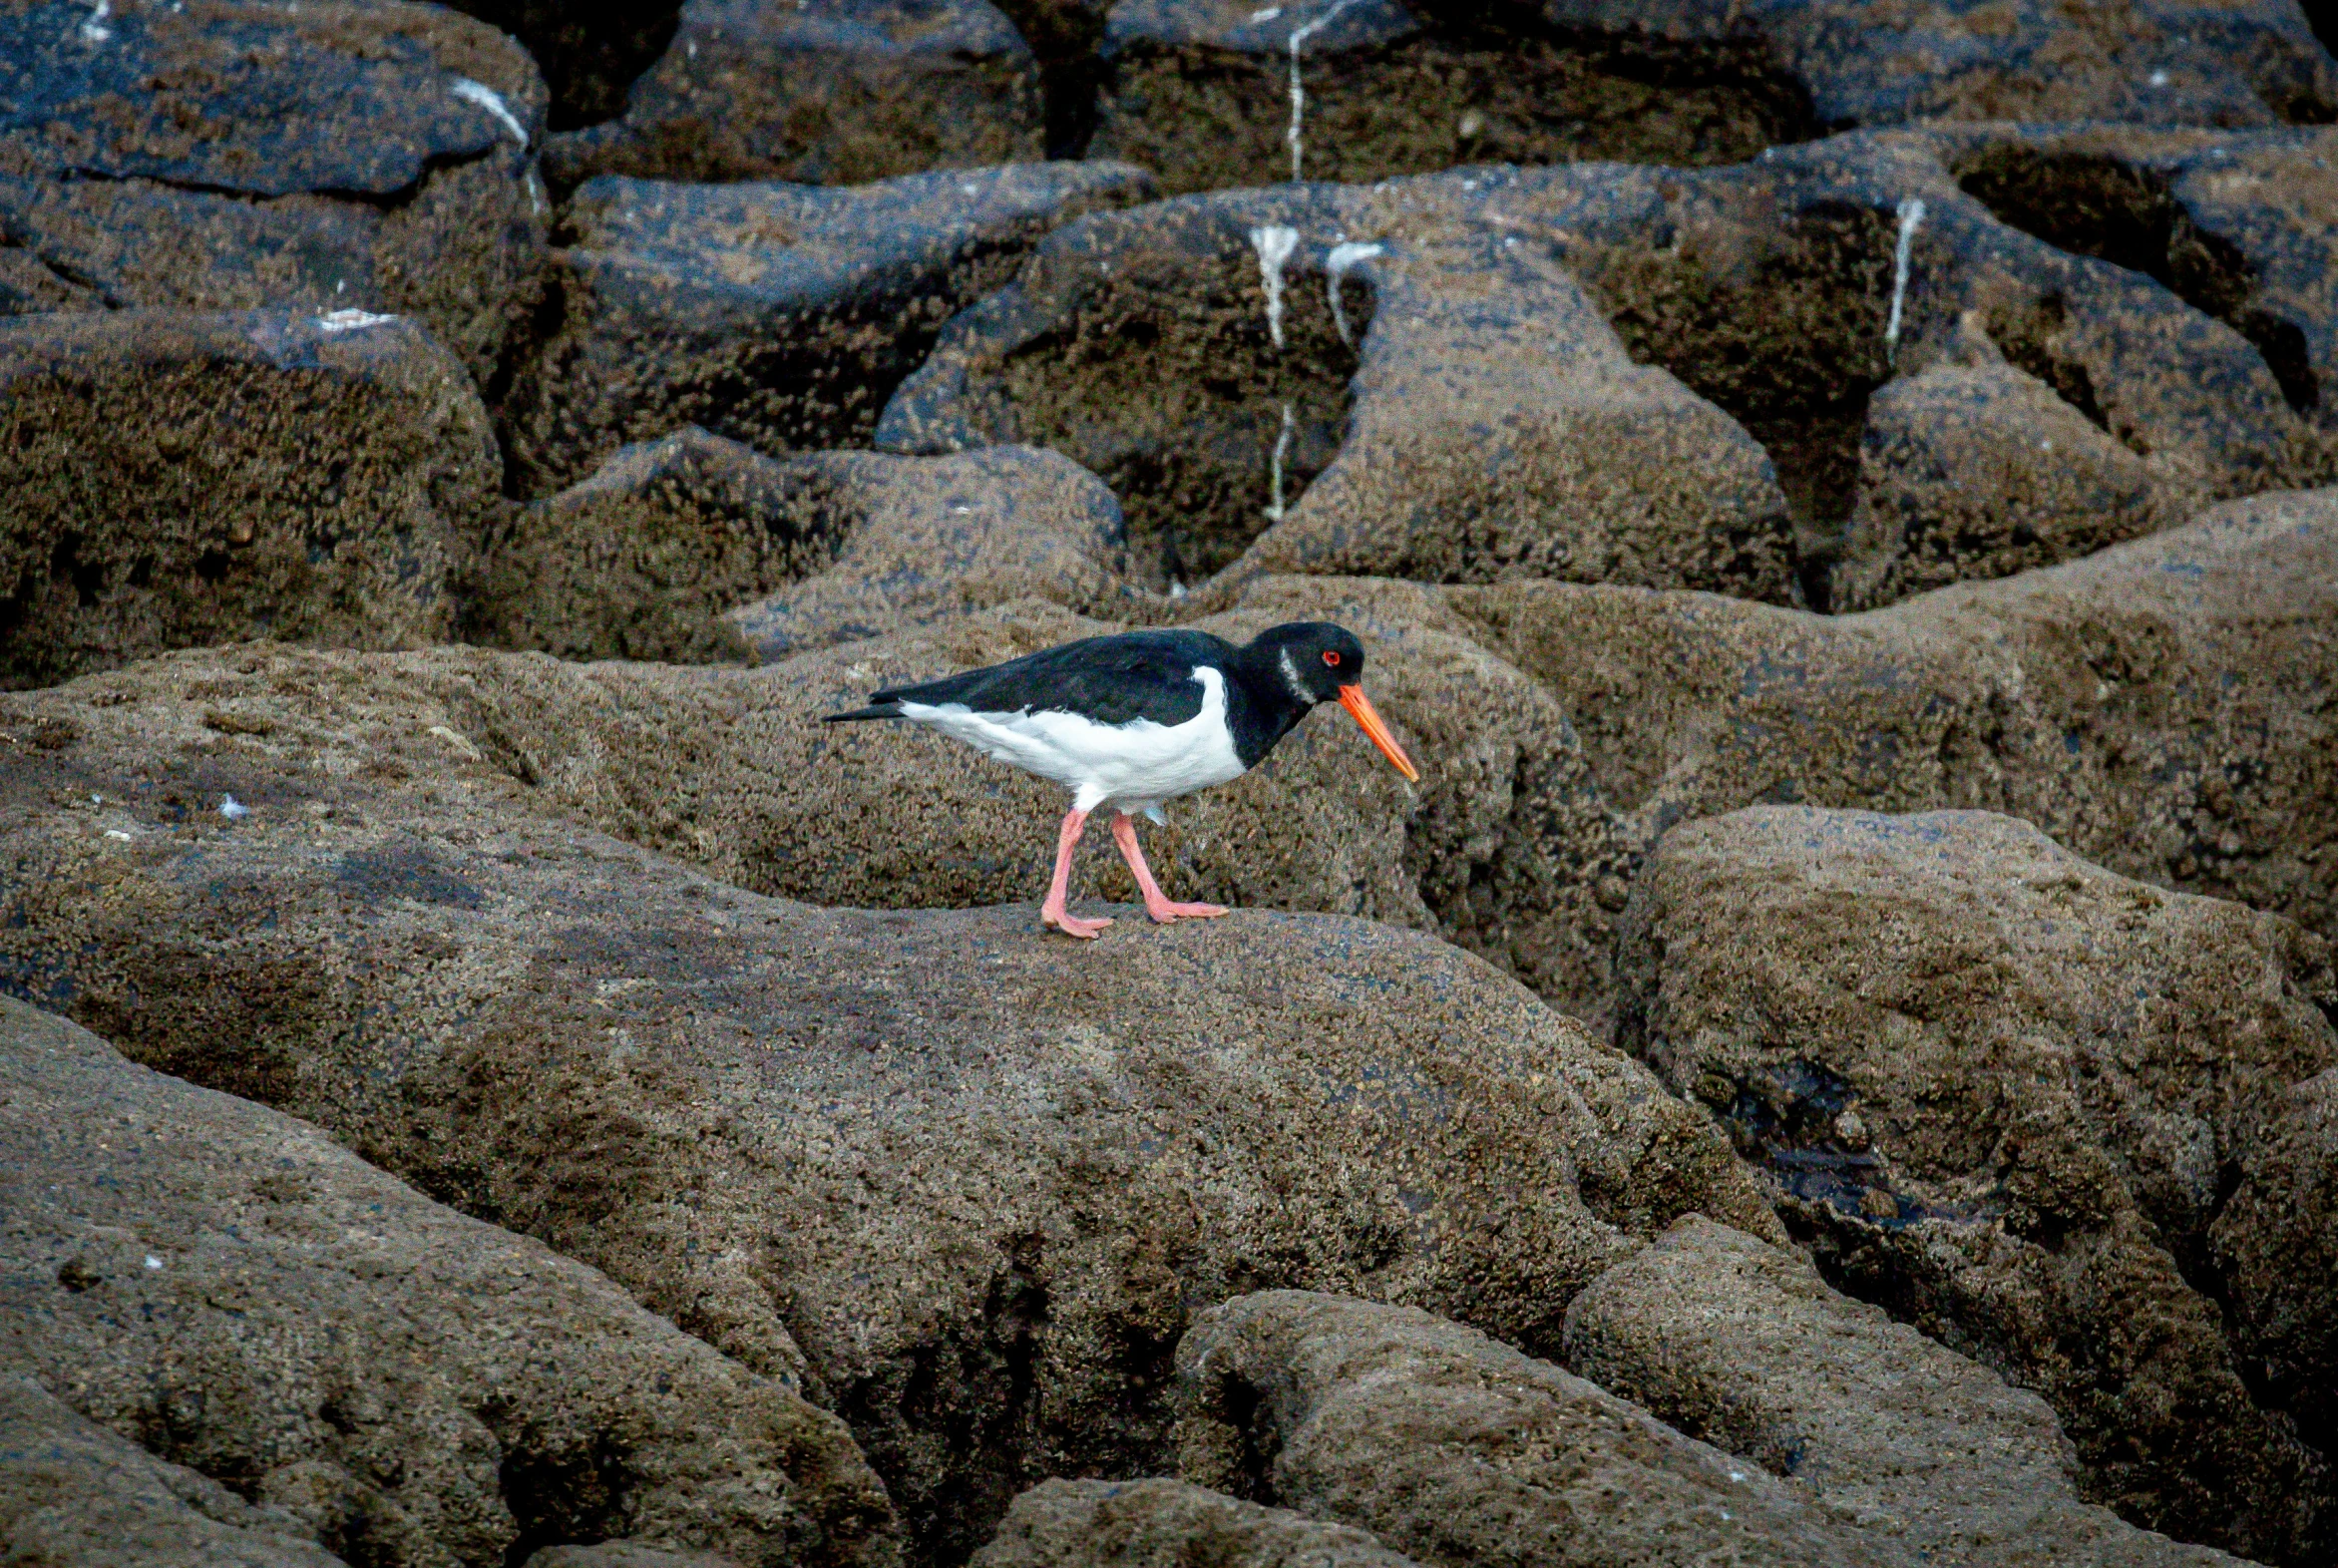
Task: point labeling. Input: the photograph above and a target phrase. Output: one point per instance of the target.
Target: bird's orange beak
(1352, 699)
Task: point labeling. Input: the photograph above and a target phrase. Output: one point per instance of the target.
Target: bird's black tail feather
(876, 710)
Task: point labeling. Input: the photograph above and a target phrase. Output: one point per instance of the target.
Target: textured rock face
(1200, 89)
(169, 479)
(841, 92)
(1743, 1344)
(1203, 355)
(774, 315)
(1453, 1448)
(366, 157)
(1160, 1524)
(254, 1302)
(2002, 1090)
(699, 549)
(72, 1493)
(1982, 472)
(2276, 1252)
(983, 1188)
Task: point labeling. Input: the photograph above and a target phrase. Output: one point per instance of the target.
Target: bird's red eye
(1331, 657)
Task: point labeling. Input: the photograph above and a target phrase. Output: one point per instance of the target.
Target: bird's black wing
(1137, 674)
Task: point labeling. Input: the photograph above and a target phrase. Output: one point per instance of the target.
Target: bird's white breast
(1132, 766)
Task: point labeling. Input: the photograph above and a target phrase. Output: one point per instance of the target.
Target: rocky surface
(73, 1492)
(405, 1386)
(1452, 1447)
(2009, 1093)
(1161, 1523)
(1701, 413)
(1741, 1343)
(780, 316)
(982, 1188)
(695, 549)
(239, 155)
(177, 480)
(1239, 369)
(838, 92)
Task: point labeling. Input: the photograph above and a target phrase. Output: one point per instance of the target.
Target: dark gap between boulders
(1164, 379)
(1789, 342)
(590, 52)
(2098, 206)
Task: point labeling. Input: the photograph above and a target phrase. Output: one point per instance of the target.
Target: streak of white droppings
(232, 809)
(1911, 213)
(492, 101)
(1266, 15)
(1273, 243)
(535, 192)
(1296, 135)
(95, 30)
(1335, 267)
(349, 321)
(1275, 506)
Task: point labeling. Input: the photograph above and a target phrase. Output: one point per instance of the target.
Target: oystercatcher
(1134, 720)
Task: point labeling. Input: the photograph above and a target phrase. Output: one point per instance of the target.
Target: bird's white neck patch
(1298, 692)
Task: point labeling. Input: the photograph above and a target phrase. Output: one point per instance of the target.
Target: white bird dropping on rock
(1275, 506)
(1911, 213)
(1275, 243)
(1296, 135)
(1335, 267)
(492, 101)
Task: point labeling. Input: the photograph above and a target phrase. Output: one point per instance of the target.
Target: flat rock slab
(1743, 1344)
(1163, 1524)
(1455, 1448)
(73, 1493)
(693, 549)
(263, 1306)
(2004, 1090)
(980, 1177)
(370, 157)
(780, 316)
(827, 93)
(174, 479)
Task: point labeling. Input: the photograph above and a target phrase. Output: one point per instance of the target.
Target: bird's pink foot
(1163, 910)
(1071, 925)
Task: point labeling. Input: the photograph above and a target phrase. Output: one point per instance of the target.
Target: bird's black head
(1310, 660)
(1290, 669)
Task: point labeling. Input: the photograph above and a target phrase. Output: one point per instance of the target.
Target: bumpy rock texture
(1743, 1344)
(826, 92)
(695, 550)
(73, 1492)
(775, 314)
(1454, 1447)
(170, 480)
(983, 1188)
(238, 155)
(1161, 1523)
(410, 1387)
(2007, 1092)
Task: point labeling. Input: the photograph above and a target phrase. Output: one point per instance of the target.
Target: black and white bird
(1134, 720)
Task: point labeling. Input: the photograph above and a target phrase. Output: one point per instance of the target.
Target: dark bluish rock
(780, 316)
(823, 92)
(244, 156)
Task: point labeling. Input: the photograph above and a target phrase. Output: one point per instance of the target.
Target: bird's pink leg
(1053, 913)
(1157, 903)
